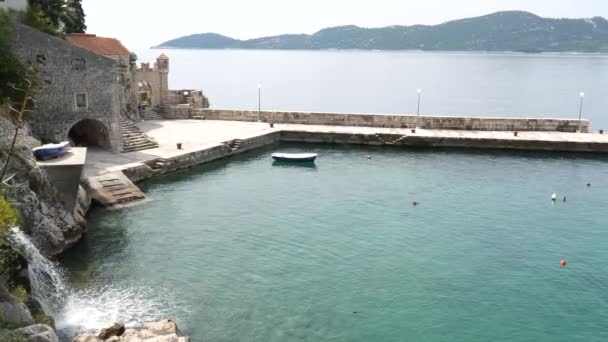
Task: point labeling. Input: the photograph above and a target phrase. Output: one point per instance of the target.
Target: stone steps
(133, 138)
(114, 188)
(234, 144)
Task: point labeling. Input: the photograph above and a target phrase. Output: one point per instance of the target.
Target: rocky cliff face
(43, 217)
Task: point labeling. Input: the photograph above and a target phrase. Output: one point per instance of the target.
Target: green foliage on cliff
(10, 336)
(502, 31)
(8, 216)
(11, 71)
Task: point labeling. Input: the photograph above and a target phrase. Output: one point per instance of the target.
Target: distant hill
(501, 31)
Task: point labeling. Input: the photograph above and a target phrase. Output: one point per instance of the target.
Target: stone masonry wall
(152, 77)
(64, 71)
(397, 121)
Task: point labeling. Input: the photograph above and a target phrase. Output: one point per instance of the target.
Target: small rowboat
(294, 157)
(49, 151)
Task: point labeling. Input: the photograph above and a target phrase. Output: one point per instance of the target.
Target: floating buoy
(414, 203)
(554, 197)
(588, 185)
(563, 262)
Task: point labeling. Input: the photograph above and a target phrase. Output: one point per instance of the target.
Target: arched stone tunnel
(90, 133)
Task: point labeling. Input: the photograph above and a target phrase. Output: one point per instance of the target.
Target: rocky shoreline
(161, 331)
(53, 230)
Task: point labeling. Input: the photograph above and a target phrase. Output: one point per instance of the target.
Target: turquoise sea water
(244, 250)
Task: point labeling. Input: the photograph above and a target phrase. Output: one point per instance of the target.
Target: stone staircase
(133, 139)
(112, 189)
(234, 145)
(158, 164)
(383, 139)
(151, 114)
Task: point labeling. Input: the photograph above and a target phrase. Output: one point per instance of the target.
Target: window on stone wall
(78, 64)
(82, 102)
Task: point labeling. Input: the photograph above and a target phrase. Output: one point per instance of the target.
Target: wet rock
(12, 311)
(38, 333)
(116, 329)
(161, 331)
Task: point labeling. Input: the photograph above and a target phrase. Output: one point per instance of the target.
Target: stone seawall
(140, 171)
(391, 120)
(451, 142)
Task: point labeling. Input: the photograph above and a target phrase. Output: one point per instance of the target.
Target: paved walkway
(196, 135)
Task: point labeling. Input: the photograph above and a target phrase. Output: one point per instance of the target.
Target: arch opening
(90, 133)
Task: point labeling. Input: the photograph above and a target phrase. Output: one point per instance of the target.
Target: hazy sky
(143, 23)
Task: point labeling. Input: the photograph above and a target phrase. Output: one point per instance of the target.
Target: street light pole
(418, 110)
(580, 112)
(259, 101)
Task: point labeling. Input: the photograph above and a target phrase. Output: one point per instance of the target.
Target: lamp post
(259, 101)
(418, 110)
(580, 112)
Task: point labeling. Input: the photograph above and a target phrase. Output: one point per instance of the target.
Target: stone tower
(162, 65)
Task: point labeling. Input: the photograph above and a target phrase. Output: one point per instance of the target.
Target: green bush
(9, 259)
(9, 336)
(11, 71)
(36, 18)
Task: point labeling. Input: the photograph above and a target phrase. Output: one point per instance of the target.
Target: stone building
(108, 47)
(153, 82)
(17, 5)
(79, 97)
(111, 48)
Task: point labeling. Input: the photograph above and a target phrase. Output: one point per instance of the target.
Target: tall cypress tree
(66, 16)
(74, 17)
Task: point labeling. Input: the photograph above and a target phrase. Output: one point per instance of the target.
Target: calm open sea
(476, 84)
(241, 250)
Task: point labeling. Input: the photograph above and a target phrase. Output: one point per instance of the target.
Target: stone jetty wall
(442, 142)
(140, 171)
(391, 120)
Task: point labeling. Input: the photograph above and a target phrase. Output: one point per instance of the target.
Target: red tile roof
(99, 45)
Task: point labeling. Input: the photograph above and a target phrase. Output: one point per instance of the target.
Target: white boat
(294, 157)
(49, 151)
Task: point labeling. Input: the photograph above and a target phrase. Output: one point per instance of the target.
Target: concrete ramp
(113, 189)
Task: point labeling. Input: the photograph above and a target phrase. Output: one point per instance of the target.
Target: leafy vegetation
(11, 71)
(502, 31)
(64, 16)
(10, 336)
(132, 58)
(8, 218)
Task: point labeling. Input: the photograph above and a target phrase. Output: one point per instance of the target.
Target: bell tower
(162, 66)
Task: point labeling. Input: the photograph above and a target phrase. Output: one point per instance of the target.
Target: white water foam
(76, 311)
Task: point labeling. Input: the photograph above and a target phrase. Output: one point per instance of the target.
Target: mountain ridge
(500, 31)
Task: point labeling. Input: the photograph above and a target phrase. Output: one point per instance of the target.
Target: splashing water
(47, 280)
(76, 311)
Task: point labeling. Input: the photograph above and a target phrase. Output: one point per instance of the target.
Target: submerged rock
(161, 331)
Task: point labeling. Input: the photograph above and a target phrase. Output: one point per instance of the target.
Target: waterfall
(76, 311)
(47, 281)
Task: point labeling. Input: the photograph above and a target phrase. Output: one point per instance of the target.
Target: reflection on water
(287, 164)
(241, 249)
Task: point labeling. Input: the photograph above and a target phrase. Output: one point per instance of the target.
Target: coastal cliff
(50, 225)
(43, 217)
